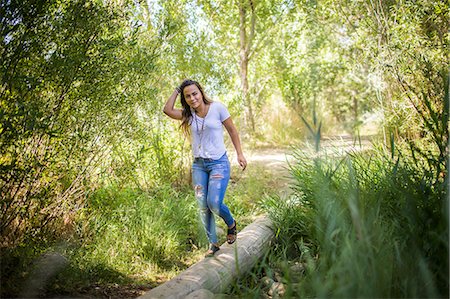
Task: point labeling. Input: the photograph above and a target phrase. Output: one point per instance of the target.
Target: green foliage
(366, 226)
(346, 59)
(86, 155)
(123, 235)
(70, 89)
(128, 229)
(314, 70)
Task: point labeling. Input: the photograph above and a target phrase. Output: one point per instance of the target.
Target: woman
(203, 120)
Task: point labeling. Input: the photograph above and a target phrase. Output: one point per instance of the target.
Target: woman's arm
(169, 109)
(231, 128)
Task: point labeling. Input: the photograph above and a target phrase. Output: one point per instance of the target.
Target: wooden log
(216, 273)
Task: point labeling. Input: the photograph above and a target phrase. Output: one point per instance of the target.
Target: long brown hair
(187, 114)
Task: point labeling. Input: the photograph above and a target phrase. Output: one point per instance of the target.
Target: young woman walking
(202, 119)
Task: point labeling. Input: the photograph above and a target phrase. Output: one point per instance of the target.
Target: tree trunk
(244, 52)
(216, 274)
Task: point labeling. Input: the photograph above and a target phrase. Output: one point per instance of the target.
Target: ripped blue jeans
(210, 180)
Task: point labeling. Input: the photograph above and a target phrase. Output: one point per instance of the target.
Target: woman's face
(193, 96)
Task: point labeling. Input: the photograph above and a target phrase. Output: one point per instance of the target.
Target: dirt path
(276, 160)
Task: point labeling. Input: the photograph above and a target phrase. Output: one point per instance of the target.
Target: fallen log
(217, 273)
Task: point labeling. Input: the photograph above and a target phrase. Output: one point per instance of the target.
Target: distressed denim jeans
(210, 180)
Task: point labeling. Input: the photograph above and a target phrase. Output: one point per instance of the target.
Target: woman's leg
(200, 178)
(219, 177)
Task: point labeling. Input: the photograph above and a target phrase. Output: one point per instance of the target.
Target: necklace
(199, 131)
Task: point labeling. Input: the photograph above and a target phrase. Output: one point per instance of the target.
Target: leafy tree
(245, 30)
(71, 85)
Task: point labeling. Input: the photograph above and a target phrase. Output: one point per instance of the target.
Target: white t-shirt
(207, 132)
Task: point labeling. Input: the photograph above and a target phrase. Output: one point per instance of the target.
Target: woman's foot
(232, 234)
(213, 248)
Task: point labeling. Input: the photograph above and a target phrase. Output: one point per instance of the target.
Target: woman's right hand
(169, 109)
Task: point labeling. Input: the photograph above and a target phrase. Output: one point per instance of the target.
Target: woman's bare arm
(169, 109)
(231, 128)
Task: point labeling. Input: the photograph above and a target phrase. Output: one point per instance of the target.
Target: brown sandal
(212, 249)
(232, 234)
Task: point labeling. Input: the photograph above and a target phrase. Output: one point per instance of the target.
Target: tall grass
(132, 227)
(123, 235)
(367, 225)
(128, 238)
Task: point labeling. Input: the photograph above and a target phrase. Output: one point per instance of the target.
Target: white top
(207, 132)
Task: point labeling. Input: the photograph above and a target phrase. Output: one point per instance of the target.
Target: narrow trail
(276, 160)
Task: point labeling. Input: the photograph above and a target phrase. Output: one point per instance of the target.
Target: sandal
(212, 249)
(231, 234)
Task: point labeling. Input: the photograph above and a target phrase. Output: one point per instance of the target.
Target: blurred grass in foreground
(369, 224)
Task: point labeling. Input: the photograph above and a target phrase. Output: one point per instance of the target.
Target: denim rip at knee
(210, 179)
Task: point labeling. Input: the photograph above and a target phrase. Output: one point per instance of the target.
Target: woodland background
(87, 152)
